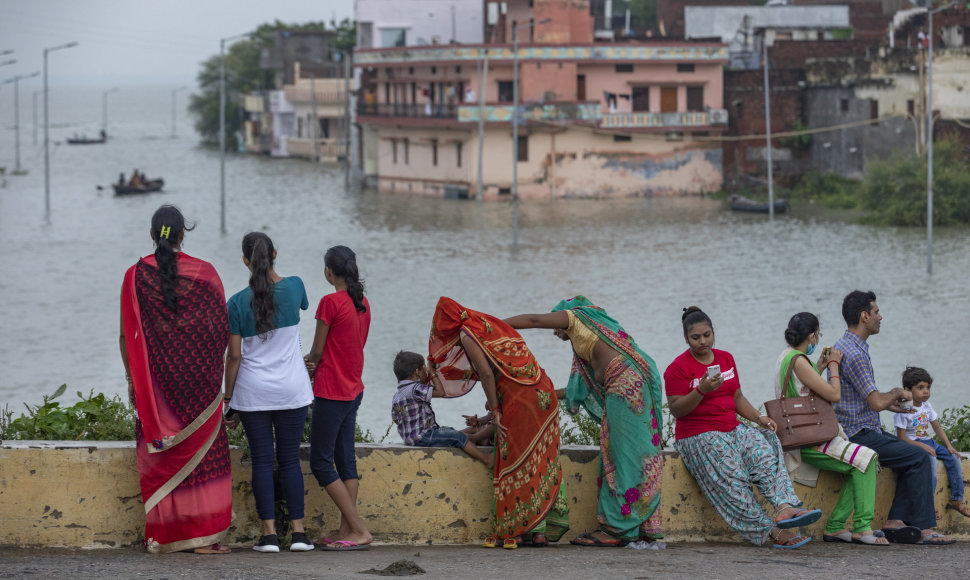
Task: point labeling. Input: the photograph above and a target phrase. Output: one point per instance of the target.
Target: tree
(243, 75)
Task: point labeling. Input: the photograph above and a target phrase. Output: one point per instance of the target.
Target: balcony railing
(590, 112)
(664, 120)
(330, 149)
(425, 111)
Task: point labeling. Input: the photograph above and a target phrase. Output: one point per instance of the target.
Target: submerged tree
(243, 75)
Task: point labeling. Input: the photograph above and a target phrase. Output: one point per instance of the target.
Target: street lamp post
(34, 102)
(222, 125)
(104, 110)
(47, 142)
(174, 92)
(515, 127)
(929, 144)
(16, 115)
(771, 184)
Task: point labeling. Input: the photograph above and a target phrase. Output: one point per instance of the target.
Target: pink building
(595, 119)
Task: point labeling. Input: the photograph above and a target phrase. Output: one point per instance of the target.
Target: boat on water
(741, 203)
(149, 186)
(84, 140)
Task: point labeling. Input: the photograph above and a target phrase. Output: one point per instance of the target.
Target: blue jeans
(913, 502)
(288, 427)
(332, 454)
(442, 437)
(954, 471)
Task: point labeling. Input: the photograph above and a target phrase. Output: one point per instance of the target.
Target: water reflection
(641, 259)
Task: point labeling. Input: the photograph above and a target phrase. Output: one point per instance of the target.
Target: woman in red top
(724, 455)
(336, 361)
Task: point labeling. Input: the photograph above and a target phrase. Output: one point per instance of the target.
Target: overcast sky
(138, 41)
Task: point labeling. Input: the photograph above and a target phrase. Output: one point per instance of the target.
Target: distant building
(395, 23)
(595, 120)
(312, 49)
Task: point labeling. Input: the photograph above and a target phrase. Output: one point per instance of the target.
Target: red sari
(176, 362)
(528, 474)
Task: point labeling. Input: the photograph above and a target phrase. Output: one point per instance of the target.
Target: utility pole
(482, 88)
(771, 183)
(347, 104)
(47, 141)
(16, 116)
(34, 99)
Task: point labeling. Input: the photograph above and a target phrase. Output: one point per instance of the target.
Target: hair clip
(165, 232)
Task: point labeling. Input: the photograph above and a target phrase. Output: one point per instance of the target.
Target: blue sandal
(802, 517)
(796, 541)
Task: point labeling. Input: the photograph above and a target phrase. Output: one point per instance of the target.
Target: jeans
(954, 471)
(442, 437)
(332, 454)
(913, 502)
(288, 427)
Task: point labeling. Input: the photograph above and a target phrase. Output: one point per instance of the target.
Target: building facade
(595, 119)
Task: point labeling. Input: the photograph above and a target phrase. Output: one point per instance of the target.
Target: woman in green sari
(619, 386)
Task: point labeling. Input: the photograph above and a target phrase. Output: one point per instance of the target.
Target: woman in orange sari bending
(174, 332)
(468, 346)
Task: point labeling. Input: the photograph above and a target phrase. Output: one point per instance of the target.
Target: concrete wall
(69, 494)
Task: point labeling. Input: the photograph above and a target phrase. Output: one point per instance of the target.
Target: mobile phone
(713, 371)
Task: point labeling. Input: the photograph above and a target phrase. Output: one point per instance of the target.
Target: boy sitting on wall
(412, 413)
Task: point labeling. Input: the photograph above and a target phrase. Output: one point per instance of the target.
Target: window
(457, 70)
(389, 72)
(505, 91)
(410, 70)
(458, 152)
(407, 158)
(391, 37)
(622, 138)
(434, 70)
(911, 107)
(641, 99)
(394, 150)
(695, 98)
(844, 105)
(685, 68)
(873, 109)
(505, 191)
(387, 92)
(523, 148)
(434, 152)
(624, 68)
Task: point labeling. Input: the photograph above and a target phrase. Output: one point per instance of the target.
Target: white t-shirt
(917, 424)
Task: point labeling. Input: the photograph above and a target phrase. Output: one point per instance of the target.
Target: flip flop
(962, 509)
(510, 544)
(802, 517)
(870, 538)
(543, 543)
(326, 541)
(843, 537)
(903, 535)
(796, 541)
(344, 546)
(594, 542)
(928, 540)
(489, 542)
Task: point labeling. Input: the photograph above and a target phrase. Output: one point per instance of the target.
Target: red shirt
(338, 373)
(716, 412)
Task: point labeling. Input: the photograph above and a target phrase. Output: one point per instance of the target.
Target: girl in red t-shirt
(724, 455)
(336, 361)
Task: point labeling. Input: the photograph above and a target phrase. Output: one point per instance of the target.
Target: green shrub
(956, 423)
(581, 429)
(831, 190)
(93, 418)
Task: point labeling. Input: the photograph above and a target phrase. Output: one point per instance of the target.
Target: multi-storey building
(595, 119)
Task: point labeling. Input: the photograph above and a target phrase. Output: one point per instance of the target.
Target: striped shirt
(858, 382)
(411, 410)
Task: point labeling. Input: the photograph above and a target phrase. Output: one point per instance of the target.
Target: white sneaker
(300, 543)
(270, 544)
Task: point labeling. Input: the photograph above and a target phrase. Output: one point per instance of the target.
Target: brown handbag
(802, 421)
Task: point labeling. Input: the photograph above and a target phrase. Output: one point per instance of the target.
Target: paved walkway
(695, 561)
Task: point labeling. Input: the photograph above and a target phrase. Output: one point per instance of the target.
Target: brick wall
(792, 54)
(745, 102)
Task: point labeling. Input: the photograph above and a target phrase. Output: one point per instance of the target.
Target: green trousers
(858, 496)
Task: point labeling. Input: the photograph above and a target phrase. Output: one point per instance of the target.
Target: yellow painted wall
(64, 494)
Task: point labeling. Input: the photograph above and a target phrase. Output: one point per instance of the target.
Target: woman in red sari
(174, 332)
(468, 346)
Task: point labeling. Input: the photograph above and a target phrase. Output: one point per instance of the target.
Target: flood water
(643, 260)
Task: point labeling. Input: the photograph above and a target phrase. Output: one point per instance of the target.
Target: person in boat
(135, 180)
(121, 179)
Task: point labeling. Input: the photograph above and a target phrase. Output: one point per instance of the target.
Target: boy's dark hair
(914, 375)
(854, 304)
(406, 363)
